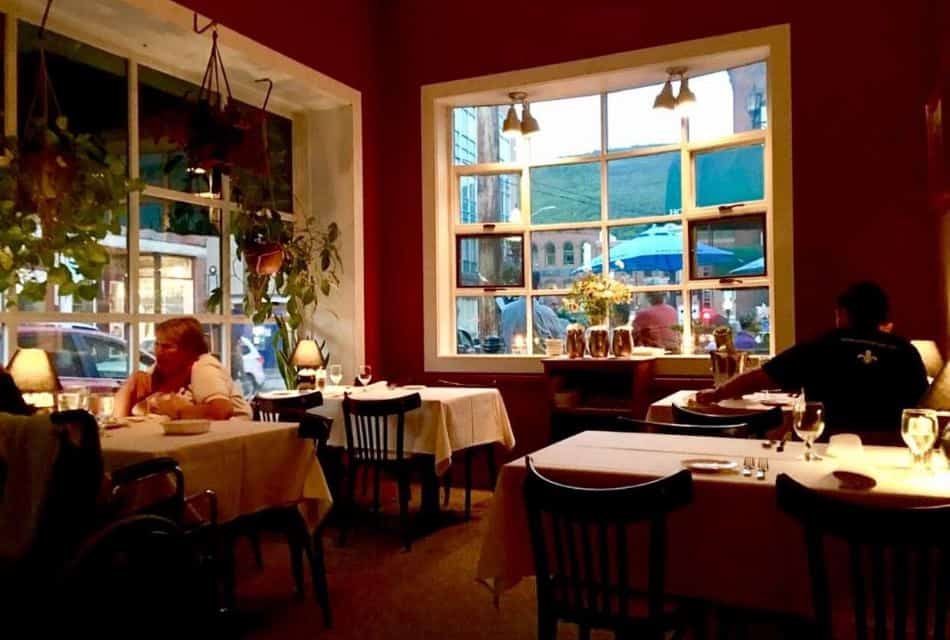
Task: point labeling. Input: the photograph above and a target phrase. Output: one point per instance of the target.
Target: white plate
(710, 465)
(186, 427)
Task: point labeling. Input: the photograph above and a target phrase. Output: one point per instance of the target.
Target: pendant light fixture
(684, 100)
(527, 125)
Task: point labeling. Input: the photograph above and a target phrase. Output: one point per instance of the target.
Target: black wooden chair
(727, 430)
(899, 564)
(370, 443)
(138, 572)
(759, 422)
(469, 453)
(581, 543)
(287, 520)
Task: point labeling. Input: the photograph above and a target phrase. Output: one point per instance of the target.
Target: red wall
(858, 138)
(859, 161)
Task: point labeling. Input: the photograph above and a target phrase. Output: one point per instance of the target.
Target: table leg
(430, 493)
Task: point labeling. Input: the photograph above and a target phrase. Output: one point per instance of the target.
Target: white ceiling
(153, 39)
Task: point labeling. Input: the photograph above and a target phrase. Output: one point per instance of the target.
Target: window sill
(668, 365)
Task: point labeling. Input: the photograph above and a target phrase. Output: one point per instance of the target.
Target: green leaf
(88, 291)
(62, 123)
(58, 275)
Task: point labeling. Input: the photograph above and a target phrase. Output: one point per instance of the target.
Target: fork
(761, 467)
(748, 464)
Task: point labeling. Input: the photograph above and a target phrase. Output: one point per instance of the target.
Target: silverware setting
(748, 464)
(761, 468)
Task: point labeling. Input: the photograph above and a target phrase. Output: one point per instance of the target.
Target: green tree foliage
(60, 194)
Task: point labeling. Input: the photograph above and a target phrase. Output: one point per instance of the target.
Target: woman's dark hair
(866, 305)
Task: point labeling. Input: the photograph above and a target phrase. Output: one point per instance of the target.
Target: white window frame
(132, 318)
(599, 76)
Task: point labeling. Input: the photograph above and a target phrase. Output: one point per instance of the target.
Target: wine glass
(808, 419)
(365, 374)
(919, 429)
(336, 374)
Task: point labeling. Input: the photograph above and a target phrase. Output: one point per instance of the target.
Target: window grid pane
(653, 185)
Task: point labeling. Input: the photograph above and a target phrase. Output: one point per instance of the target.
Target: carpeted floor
(377, 590)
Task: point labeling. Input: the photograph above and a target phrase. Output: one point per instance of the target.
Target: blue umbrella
(757, 266)
(659, 248)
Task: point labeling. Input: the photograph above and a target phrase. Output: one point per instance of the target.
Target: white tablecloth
(450, 419)
(732, 544)
(250, 465)
(662, 409)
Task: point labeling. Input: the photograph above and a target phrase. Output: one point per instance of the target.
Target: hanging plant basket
(264, 258)
(216, 128)
(61, 194)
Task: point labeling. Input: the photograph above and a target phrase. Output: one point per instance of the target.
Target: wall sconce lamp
(527, 125)
(681, 103)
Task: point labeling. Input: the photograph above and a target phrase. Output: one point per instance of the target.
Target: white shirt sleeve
(209, 380)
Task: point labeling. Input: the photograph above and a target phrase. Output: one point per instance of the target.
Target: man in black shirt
(864, 376)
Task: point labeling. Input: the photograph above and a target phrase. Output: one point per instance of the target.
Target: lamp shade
(930, 354)
(33, 371)
(686, 99)
(512, 126)
(307, 354)
(529, 125)
(665, 99)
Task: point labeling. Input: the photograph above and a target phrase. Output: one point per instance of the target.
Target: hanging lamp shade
(512, 126)
(686, 99)
(529, 125)
(665, 99)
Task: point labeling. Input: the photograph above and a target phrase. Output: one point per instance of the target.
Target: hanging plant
(216, 129)
(60, 195)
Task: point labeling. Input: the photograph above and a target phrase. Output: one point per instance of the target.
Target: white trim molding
(598, 76)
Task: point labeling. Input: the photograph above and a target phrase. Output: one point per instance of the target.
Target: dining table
(250, 465)
(449, 419)
(662, 409)
(731, 545)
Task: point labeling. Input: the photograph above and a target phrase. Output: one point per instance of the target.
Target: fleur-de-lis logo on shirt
(867, 357)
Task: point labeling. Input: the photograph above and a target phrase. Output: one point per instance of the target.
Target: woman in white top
(186, 381)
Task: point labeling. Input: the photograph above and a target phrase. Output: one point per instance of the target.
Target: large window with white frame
(174, 247)
(676, 207)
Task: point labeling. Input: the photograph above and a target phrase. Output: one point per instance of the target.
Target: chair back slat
(287, 409)
(582, 577)
(889, 549)
(733, 429)
(758, 421)
(367, 427)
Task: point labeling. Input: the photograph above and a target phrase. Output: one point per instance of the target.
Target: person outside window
(546, 323)
(654, 325)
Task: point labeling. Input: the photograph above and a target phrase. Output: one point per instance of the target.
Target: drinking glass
(365, 374)
(919, 429)
(102, 406)
(73, 398)
(808, 419)
(336, 374)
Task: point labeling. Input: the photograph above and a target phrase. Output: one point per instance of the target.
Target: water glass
(808, 420)
(919, 428)
(336, 374)
(102, 406)
(73, 398)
